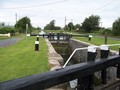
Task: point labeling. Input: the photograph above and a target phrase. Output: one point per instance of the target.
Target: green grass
(55, 31)
(21, 60)
(100, 41)
(3, 38)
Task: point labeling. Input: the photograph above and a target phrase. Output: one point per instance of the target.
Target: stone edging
(55, 61)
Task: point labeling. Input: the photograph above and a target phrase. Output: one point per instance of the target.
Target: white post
(26, 33)
(8, 34)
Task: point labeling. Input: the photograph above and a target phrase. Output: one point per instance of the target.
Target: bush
(102, 31)
(116, 27)
(6, 30)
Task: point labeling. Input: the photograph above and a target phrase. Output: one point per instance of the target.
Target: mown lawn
(21, 60)
(100, 41)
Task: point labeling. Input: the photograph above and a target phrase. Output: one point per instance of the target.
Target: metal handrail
(77, 49)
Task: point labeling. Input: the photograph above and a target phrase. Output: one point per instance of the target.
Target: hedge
(6, 30)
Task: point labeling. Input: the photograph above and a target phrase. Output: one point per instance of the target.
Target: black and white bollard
(104, 54)
(91, 57)
(86, 83)
(37, 38)
(36, 45)
(89, 37)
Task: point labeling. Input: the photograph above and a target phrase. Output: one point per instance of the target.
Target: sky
(41, 12)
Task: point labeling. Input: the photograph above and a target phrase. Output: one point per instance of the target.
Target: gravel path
(8, 42)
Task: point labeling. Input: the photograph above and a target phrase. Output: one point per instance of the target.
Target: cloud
(77, 10)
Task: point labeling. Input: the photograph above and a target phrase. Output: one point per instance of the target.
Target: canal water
(65, 51)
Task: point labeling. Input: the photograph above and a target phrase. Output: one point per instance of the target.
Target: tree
(91, 23)
(57, 28)
(70, 26)
(21, 25)
(2, 24)
(47, 27)
(116, 27)
(77, 27)
(51, 26)
(66, 27)
(5, 30)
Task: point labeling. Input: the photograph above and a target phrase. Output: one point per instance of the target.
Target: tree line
(20, 26)
(90, 24)
(51, 26)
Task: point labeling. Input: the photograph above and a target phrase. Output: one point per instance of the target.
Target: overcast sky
(41, 12)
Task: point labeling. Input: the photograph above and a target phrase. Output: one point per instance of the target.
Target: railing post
(36, 45)
(43, 35)
(104, 54)
(63, 36)
(91, 57)
(71, 35)
(53, 36)
(66, 36)
(81, 83)
(58, 36)
(118, 68)
(91, 53)
(50, 36)
(87, 82)
(37, 38)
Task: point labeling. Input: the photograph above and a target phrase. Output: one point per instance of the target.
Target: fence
(5, 35)
(80, 71)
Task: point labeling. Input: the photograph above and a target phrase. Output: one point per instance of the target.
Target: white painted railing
(5, 35)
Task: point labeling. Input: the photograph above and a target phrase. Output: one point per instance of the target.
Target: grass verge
(100, 41)
(3, 38)
(21, 60)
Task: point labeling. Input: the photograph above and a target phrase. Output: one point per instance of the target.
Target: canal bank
(55, 61)
(80, 56)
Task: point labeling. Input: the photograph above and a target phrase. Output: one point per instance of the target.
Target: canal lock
(65, 51)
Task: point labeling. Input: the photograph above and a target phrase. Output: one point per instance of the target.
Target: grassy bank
(21, 60)
(100, 41)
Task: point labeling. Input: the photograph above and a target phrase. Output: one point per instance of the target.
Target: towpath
(8, 42)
